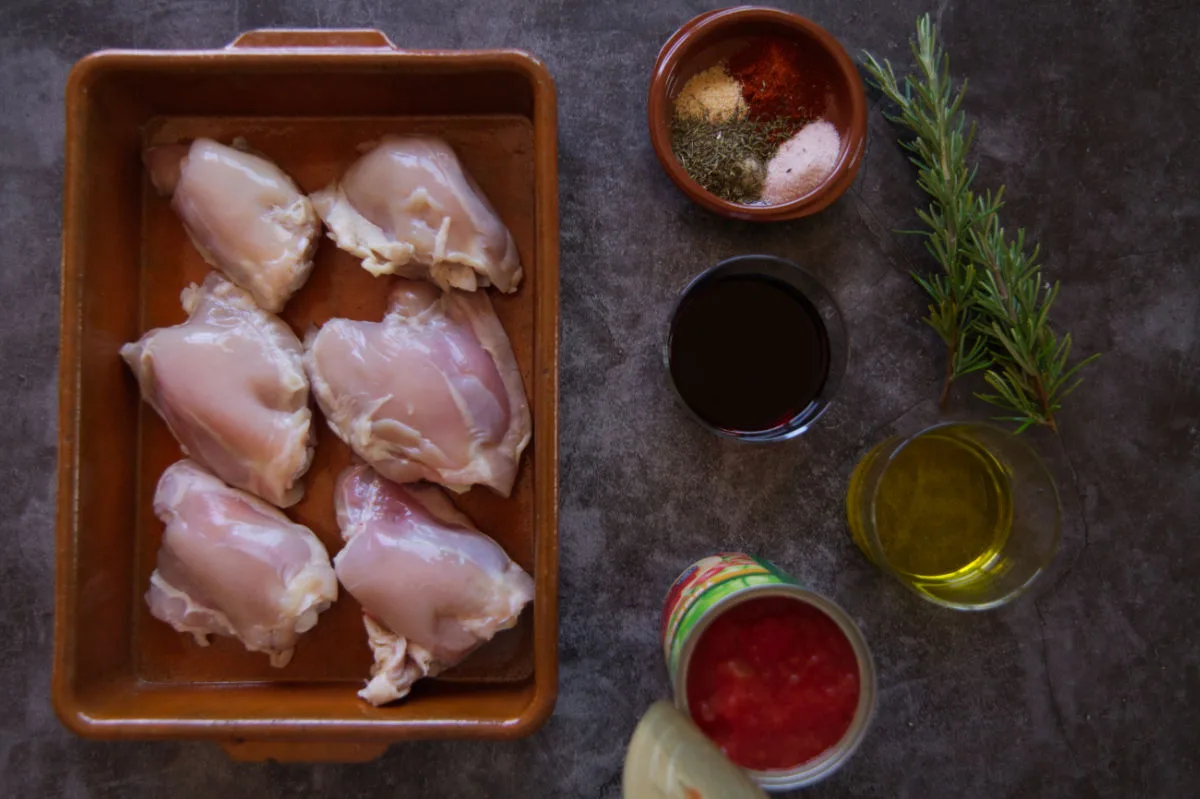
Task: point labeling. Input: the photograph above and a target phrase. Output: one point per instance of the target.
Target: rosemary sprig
(1031, 375)
(930, 108)
(988, 303)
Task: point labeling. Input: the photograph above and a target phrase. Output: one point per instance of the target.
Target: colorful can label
(701, 586)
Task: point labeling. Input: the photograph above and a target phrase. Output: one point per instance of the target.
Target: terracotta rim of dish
(700, 30)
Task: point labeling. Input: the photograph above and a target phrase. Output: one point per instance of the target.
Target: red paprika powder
(780, 81)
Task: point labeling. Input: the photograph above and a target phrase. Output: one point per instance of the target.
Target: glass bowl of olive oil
(964, 514)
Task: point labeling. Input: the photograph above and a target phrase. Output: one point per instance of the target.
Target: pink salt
(802, 163)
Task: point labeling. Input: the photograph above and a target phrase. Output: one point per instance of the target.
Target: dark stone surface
(1088, 686)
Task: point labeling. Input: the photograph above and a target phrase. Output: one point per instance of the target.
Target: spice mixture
(745, 130)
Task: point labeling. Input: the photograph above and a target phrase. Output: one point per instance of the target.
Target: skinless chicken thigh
(243, 213)
(408, 208)
(230, 384)
(432, 587)
(230, 564)
(430, 393)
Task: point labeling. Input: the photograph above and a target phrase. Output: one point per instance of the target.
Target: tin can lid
(669, 758)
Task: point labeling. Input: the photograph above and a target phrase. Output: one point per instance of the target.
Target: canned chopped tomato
(777, 676)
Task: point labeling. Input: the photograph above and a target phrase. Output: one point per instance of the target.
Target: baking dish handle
(312, 37)
(303, 751)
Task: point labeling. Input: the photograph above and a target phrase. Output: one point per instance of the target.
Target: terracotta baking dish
(306, 99)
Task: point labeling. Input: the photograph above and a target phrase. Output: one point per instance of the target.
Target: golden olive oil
(942, 508)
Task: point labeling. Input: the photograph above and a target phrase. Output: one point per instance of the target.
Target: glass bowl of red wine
(756, 348)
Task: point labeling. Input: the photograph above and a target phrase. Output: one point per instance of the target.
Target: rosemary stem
(944, 397)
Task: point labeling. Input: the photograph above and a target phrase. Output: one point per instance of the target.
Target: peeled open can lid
(669, 758)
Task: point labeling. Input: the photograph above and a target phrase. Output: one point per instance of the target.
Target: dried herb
(727, 158)
(990, 304)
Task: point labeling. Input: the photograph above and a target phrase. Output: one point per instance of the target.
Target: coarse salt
(802, 163)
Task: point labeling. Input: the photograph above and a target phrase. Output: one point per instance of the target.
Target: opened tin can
(714, 585)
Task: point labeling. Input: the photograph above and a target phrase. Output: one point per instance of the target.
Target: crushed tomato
(774, 682)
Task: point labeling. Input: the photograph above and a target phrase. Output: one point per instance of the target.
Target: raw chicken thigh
(230, 384)
(430, 393)
(408, 208)
(432, 587)
(243, 213)
(230, 564)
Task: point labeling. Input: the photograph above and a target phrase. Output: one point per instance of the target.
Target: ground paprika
(780, 81)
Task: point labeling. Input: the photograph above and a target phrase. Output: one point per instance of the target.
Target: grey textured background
(1086, 687)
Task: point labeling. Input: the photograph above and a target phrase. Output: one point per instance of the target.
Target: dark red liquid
(773, 682)
(748, 353)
